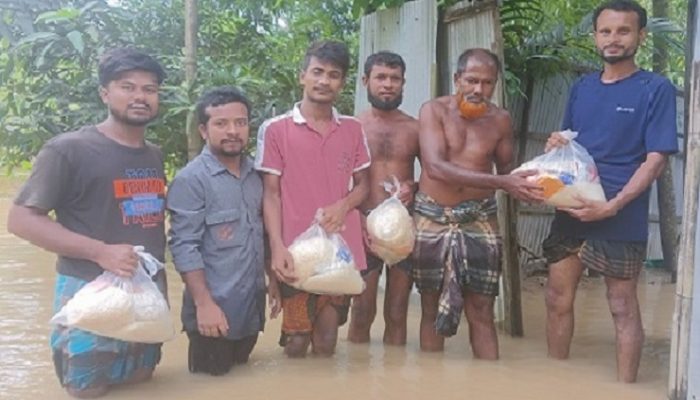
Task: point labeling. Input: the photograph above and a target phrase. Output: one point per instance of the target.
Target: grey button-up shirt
(216, 225)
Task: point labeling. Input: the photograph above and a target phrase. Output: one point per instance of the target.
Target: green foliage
(545, 37)
(48, 81)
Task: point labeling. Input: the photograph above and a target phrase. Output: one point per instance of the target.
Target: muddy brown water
(370, 371)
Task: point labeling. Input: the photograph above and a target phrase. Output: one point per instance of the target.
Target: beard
(222, 150)
(627, 55)
(126, 119)
(385, 105)
(230, 153)
(471, 110)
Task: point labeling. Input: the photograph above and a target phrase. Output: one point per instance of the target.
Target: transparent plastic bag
(390, 227)
(566, 173)
(324, 264)
(130, 309)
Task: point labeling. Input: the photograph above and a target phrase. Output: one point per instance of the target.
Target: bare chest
(475, 141)
(392, 144)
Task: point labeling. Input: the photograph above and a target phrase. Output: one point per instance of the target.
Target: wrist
(615, 205)
(204, 301)
(276, 243)
(344, 206)
(498, 182)
(95, 251)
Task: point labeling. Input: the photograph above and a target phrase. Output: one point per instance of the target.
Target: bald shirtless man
(458, 246)
(392, 136)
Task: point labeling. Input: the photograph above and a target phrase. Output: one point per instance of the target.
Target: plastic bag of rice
(131, 309)
(324, 264)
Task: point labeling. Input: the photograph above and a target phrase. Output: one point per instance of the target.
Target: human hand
(274, 298)
(211, 321)
(592, 210)
(333, 217)
(120, 259)
(518, 186)
(555, 140)
(406, 191)
(282, 264)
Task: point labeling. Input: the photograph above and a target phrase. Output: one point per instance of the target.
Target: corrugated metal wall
(410, 31)
(471, 24)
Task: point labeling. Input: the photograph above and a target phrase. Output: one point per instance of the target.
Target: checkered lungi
(616, 259)
(457, 248)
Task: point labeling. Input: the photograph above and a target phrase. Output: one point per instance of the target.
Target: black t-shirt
(100, 189)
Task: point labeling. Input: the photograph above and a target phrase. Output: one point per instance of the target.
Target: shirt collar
(215, 166)
(299, 119)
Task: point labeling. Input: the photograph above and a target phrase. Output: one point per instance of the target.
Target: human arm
(642, 178)
(48, 188)
(407, 191)
(435, 163)
(186, 204)
(333, 217)
(273, 291)
(281, 261)
(35, 225)
(211, 320)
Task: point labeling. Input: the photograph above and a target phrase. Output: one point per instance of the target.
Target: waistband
(465, 212)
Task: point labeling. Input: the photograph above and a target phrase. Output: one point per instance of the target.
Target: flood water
(356, 371)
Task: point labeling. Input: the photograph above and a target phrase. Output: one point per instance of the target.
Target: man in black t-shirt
(106, 185)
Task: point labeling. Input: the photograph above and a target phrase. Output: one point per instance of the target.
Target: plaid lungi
(457, 248)
(616, 259)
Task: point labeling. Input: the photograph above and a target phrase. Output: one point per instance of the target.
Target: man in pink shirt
(313, 158)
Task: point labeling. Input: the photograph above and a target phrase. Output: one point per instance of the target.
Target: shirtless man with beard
(392, 136)
(457, 258)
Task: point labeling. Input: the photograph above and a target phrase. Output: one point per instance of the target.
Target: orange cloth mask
(470, 110)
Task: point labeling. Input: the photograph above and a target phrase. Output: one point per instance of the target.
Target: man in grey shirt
(216, 238)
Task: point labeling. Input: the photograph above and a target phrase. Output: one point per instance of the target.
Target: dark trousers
(216, 356)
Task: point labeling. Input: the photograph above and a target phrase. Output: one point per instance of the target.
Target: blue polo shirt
(619, 123)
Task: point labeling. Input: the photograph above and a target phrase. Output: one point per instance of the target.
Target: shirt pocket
(225, 227)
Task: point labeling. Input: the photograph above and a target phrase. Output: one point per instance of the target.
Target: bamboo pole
(508, 214)
(194, 141)
(665, 193)
(680, 336)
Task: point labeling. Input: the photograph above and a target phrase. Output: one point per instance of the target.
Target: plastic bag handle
(151, 264)
(569, 134)
(393, 187)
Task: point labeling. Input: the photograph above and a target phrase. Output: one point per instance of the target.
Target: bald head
(482, 56)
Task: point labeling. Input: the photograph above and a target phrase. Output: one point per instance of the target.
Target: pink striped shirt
(315, 171)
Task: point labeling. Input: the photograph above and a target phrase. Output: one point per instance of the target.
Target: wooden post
(680, 335)
(668, 222)
(194, 141)
(512, 306)
(508, 214)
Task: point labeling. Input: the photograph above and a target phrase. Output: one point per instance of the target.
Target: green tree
(48, 83)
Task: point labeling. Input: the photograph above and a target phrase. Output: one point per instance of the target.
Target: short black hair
(329, 51)
(114, 62)
(386, 58)
(217, 96)
(467, 54)
(622, 5)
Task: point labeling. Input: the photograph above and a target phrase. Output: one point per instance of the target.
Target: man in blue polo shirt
(626, 119)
